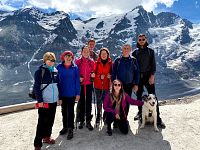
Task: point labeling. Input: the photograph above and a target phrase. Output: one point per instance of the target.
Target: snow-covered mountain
(175, 40)
(27, 33)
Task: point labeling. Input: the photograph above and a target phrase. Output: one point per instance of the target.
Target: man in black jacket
(147, 66)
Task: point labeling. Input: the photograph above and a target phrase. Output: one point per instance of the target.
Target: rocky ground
(181, 116)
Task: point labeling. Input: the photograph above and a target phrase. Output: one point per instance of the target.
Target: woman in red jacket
(103, 67)
(115, 106)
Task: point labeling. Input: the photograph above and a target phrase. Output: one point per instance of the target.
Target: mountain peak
(137, 9)
(57, 12)
(31, 9)
(140, 7)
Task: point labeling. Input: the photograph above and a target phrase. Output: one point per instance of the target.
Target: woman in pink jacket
(115, 107)
(86, 70)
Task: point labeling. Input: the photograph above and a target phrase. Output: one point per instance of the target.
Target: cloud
(150, 5)
(100, 8)
(196, 4)
(97, 7)
(6, 7)
(10, 5)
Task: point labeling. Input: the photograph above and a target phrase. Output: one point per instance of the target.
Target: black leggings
(45, 123)
(85, 102)
(122, 124)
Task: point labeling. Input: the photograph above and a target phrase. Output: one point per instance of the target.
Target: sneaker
(161, 125)
(37, 148)
(137, 117)
(70, 134)
(63, 131)
(109, 132)
(49, 140)
(81, 124)
(89, 126)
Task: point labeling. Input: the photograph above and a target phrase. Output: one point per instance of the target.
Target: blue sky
(188, 9)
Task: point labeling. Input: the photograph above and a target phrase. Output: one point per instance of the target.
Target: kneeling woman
(115, 107)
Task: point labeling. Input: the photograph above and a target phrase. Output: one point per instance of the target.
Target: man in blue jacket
(125, 69)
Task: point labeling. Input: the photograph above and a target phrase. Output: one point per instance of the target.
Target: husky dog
(149, 111)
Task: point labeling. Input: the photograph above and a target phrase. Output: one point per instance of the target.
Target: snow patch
(51, 22)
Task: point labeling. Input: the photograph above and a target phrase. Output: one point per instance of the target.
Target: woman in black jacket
(147, 66)
(47, 94)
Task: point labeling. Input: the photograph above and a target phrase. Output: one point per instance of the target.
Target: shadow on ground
(142, 139)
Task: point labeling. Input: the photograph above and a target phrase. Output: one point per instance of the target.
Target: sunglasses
(52, 60)
(141, 39)
(117, 85)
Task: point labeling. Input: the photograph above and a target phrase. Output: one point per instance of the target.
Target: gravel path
(182, 118)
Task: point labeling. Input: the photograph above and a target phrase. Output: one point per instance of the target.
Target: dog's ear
(145, 98)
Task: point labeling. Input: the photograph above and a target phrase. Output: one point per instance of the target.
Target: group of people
(111, 84)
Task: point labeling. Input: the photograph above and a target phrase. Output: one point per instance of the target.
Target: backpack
(31, 93)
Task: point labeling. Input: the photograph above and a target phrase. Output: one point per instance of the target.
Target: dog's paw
(142, 126)
(156, 129)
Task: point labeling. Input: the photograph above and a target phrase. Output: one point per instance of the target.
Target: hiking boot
(161, 124)
(37, 148)
(63, 131)
(48, 140)
(109, 132)
(81, 124)
(89, 126)
(138, 116)
(70, 134)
